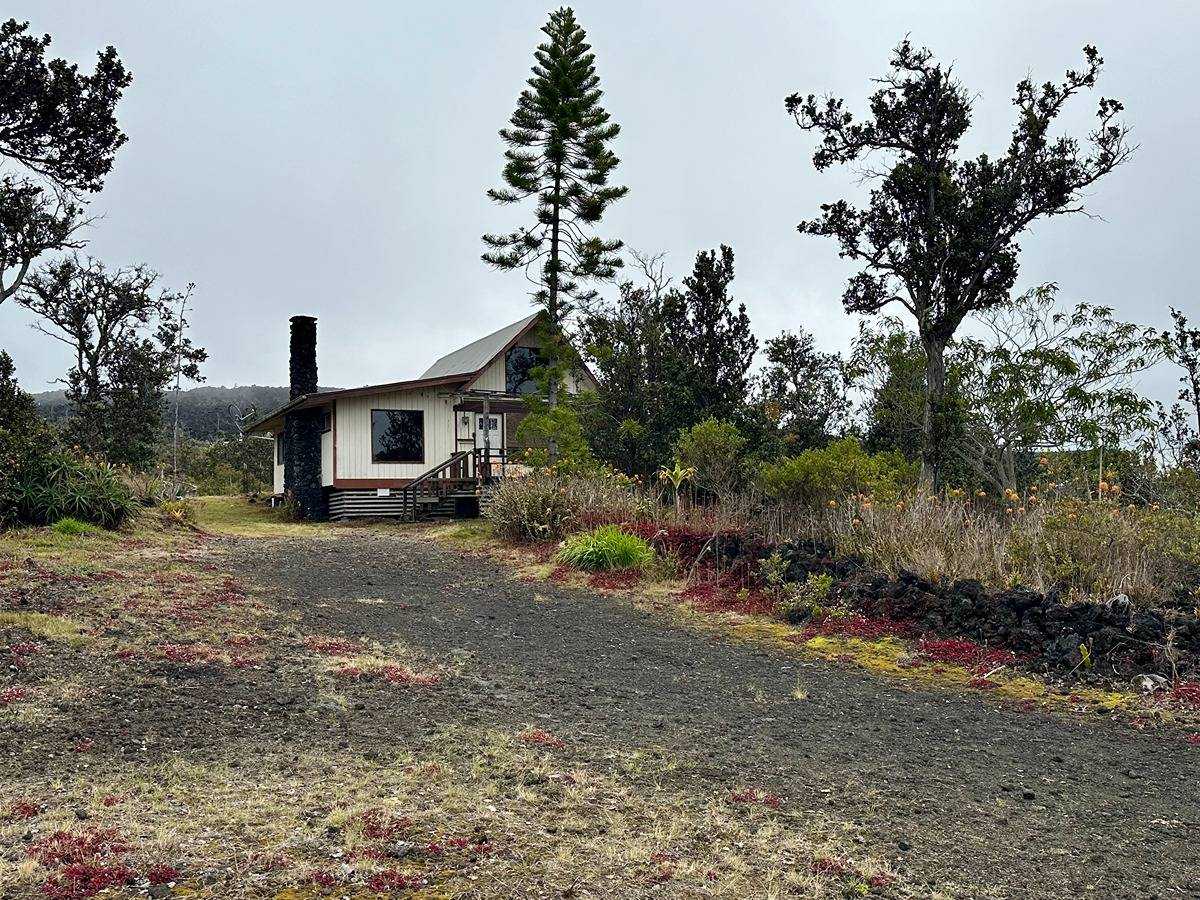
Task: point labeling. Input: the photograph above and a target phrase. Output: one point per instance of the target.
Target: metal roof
(460, 367)
(477, 354)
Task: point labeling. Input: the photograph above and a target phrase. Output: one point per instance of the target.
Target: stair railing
(435, 482)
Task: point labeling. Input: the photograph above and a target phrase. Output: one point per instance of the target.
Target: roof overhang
(273, 420)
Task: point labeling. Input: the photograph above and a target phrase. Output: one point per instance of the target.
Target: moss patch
(53, 628)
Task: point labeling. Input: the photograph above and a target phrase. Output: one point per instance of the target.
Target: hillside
(205, 412)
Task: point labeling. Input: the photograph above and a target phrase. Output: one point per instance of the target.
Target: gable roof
(462, 367)
(474, 357)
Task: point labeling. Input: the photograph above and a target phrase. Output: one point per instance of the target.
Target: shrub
(801, 602)
(607, 547)
(25, 441)
(67, 486)
(72, 527)
(231, 466)
(546, 505)
(713, 450)
(1098, 549)
(178, 512)
(833, 473)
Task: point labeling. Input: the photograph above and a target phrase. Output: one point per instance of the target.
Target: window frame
(280, 455)
(395, 462)
(537, 363)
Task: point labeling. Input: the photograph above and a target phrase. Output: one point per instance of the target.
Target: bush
(1099, 549)
(67, 486)
(178, 512)
(231, 466)
(72, 527)
(833, 473)
(546, 505)
(714, 450)
(607, 547)
(25, 441)
(801, 602)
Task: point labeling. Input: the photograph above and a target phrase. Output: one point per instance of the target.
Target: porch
(454, 489)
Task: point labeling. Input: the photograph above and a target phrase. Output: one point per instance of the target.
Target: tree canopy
(938, 233)
(128, 345)
(558, 154)
(59, 126)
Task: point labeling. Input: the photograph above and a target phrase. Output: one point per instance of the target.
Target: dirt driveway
(966, 796)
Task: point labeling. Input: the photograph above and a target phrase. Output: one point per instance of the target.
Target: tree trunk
(933, 419)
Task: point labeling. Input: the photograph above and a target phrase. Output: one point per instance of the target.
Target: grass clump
(606, 548)
(71, 527)
(178, 512)
(51, 628)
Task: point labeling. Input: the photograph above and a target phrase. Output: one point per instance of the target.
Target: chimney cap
(303, 319)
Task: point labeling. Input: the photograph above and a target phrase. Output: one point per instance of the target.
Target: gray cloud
(289, 158)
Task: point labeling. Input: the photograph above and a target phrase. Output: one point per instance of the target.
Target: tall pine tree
(558, 153)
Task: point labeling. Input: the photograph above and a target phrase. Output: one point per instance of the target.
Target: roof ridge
(474, 356)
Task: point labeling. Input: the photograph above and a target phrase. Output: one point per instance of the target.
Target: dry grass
(551, 827)
(258, 820)
(1087, 550)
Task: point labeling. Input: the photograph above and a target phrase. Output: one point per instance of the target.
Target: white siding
(492, 378)
(354, 432)
(278, 482)
(327, 458)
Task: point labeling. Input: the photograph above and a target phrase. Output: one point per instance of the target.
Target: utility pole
(179, 379)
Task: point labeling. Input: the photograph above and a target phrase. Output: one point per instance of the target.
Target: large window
(397, 436)
(519, 364)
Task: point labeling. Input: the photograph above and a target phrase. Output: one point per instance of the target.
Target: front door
(495, 433)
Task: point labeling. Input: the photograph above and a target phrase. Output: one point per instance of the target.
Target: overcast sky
(332, 159)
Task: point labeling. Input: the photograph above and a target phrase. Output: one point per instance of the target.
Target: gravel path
(969, 796)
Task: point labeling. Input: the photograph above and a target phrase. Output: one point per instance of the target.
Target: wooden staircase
(460, 487)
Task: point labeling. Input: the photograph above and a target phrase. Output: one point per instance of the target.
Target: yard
(259, 709)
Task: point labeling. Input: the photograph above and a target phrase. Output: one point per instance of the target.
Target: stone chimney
(302, 363)
(302, 427)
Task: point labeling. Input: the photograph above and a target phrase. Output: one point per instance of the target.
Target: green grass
(608, 547)
(239, 517)
(53, 628)
(72, 527)
(469, 534)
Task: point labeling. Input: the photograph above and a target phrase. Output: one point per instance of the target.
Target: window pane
(397, 435)
(519, 364)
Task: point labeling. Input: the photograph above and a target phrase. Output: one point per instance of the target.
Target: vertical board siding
(492, 378)
(278, 479)
(326, 458)
(354, 432)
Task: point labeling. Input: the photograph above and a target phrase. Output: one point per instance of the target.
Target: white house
(406, 448)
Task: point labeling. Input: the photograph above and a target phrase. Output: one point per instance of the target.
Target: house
(427, 446)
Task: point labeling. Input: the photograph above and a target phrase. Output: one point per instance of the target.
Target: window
(519, 364)
(279, 449)
(327, 423)
(397, 436)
